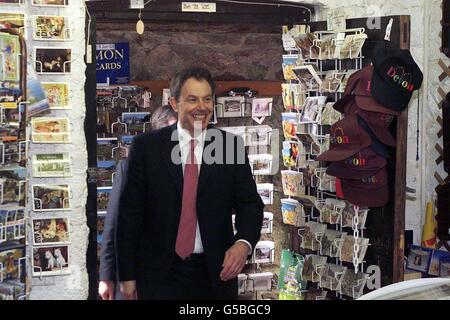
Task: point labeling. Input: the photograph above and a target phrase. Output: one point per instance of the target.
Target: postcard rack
(305, 125)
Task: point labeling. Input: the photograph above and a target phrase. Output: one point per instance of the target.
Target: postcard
(105, 147)
(11, 1)
(13, 182)
(14, 21)
(13, 261)
(51, 197)
(12, 290)
(349, 213)
(313, 268)
(353, 284)
(304, 42)
(238, 131)
(293, 96)
(50, 231)
(444, 267)
(290, 123)
(103, 194)
(103, 123)
(293, 213)
(232, 106)
(12, 225)
(419, 259)
(56, 3)
(310, 235)
(329, 115)
(308, 76)
(258, 136)
(267, 225)
(326, 182)
(324, 48)
(55, 165)
(292, 183)
(265, 191)
(259, 281)
(332, 276)
(352, 46)
(436, 258)
(101, 216)
(290, 61)
(10, 66)
(51, 28)
(347, 252)
(58, 95)
(135, 121)
(261, 164)
(309, 177)
(331, 210)
(50, 261)
(52, 60)
(105, 172)
(332, 242)
(13, 151)
(38, 103)
(316, 294)
(262, 107)
(50, 130)
(332, 81)
(293, 154)
(264, 252)
(312, 109)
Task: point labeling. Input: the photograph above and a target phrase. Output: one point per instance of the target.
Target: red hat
(359, 85)
(339, 192)
(363, 164)
(372, 191)
(347, 138)
(379, 123)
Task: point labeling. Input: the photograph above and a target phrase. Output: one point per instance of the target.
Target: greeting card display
(265, 191)
(293, 212)
(51, 197)
(313, 268)
(50, 261)
(52, 60)
(58, 95)
(264, 252)
(292, 183)
(51, 28)
(55, 165)
(353, 284)
(50, 231)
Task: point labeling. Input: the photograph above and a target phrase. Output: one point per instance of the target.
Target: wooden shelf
(264, 88)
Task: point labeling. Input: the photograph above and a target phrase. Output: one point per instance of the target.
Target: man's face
(195, 105)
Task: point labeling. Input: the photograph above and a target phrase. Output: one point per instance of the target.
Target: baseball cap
(347, 138)
(363, 164)
(379, 124)
(372, 191)
(359, 89)
(376, 145)
(396, 76)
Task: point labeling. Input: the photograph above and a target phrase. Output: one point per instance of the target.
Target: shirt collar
(185, 137)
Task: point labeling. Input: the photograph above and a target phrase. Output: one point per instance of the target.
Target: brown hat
(379, 123)
(347, 138)
(361, 165)
(372, 191)
(359, 85)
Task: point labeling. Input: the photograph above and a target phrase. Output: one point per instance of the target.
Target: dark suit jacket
(150, 208)
(108, 248)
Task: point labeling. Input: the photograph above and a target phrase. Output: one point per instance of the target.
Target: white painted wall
(425, 43)
(75, 285)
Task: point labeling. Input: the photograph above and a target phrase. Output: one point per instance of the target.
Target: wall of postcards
(122, 113)
(239, 107)
(13, 162)
(316, 67)
(46, 134)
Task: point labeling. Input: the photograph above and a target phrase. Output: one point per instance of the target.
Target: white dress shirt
(184, 138)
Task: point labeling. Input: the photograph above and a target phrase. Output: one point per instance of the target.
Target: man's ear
(173, 103)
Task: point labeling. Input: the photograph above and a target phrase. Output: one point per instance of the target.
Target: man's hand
(234, 261)
(128, 290)
(106, 290)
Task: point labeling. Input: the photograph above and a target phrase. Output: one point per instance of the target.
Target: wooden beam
(264, 88)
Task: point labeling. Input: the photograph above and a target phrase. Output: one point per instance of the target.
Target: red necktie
(188, 220)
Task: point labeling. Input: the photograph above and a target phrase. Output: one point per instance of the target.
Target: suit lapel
(172, 157)
(206, 169)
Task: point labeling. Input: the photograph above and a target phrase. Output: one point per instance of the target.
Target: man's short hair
(181, 77)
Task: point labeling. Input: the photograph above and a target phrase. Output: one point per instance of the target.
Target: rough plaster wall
(75, 285)
(424, 14)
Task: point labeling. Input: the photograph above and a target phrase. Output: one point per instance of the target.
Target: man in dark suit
(175, 236)
(162, 117)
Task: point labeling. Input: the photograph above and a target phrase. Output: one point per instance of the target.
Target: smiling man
(175, 235)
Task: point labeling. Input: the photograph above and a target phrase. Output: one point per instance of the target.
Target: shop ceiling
(235, 11)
